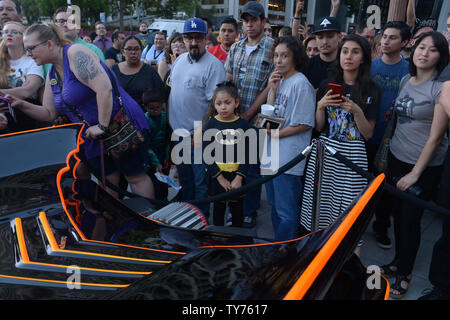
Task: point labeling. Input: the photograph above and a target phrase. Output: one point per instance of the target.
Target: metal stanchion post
(317, 184)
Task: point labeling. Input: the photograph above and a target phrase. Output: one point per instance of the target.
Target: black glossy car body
(50, 248)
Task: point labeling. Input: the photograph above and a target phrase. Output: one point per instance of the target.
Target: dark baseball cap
(254, 9)
(327, 24)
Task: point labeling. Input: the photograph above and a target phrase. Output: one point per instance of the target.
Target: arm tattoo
(85, 66)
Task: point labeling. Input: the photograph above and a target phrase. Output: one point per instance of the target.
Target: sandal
(389, 270)
(397, 286)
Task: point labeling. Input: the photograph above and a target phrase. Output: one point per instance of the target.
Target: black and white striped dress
(340, 185)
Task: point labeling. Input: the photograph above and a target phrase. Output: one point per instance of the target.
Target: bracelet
(297, 18)
(103, 128)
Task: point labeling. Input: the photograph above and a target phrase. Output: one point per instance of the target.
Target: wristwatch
(103, 128)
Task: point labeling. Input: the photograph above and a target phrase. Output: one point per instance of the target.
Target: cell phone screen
(272, 124)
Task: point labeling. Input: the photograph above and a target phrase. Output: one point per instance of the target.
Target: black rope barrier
(389, 188)
(226, 195)
(219, 197)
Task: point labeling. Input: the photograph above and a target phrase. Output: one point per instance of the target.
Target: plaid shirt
(258, 69)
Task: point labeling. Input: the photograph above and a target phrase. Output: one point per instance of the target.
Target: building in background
(279, 12)
(437, 9)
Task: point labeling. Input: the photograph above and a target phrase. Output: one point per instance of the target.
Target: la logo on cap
(325, 22)
(193, 25)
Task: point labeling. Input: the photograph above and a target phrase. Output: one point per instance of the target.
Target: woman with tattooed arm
(79, 87)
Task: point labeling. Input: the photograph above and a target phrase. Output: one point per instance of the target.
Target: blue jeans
(194, 182)
(253, 197)
(283, 194)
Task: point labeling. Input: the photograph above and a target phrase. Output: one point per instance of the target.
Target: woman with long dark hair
(293, 98)
(417, 150)
(344, 123)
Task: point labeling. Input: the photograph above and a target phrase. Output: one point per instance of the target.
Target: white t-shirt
(192, 88)
(243, 68)
(21, 68)
(152, 54)
(295, 101)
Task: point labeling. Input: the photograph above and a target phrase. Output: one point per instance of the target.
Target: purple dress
(84, 101)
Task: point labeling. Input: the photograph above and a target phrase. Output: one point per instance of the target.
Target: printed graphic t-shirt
(415, 109)
(21, 68)
(341, 125)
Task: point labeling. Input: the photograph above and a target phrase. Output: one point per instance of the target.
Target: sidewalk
(371, 254)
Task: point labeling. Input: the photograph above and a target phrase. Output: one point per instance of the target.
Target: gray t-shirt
(295, 102)
(415, 108)
(192, 88)
(445, 76)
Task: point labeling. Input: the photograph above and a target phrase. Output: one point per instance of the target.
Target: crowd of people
(320, 82)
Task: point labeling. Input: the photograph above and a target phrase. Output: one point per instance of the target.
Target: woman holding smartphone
(344, 123)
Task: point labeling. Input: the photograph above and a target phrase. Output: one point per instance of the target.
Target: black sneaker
(435, 294)
(383, 241)
(249, 222)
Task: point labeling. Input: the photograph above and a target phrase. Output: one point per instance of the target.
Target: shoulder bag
(381, 157)
(122, 136)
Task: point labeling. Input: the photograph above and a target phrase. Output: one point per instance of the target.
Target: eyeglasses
(177, 46)
(135, 49)
(30, 49)
(13, 32)
(61, 21)
(190, 38)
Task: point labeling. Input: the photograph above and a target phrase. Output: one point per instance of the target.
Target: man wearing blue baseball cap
(194, 77)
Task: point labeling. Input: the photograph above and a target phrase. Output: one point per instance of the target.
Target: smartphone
(336, 89)
(11, 110)
(272, 124)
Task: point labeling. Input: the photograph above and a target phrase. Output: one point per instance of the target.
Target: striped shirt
(258, 67)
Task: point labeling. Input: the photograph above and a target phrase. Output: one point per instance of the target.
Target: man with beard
(145, 36)
(194, 77)
(9, 11)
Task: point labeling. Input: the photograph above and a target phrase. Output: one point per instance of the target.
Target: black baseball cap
(327, 24)
(254, 9)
